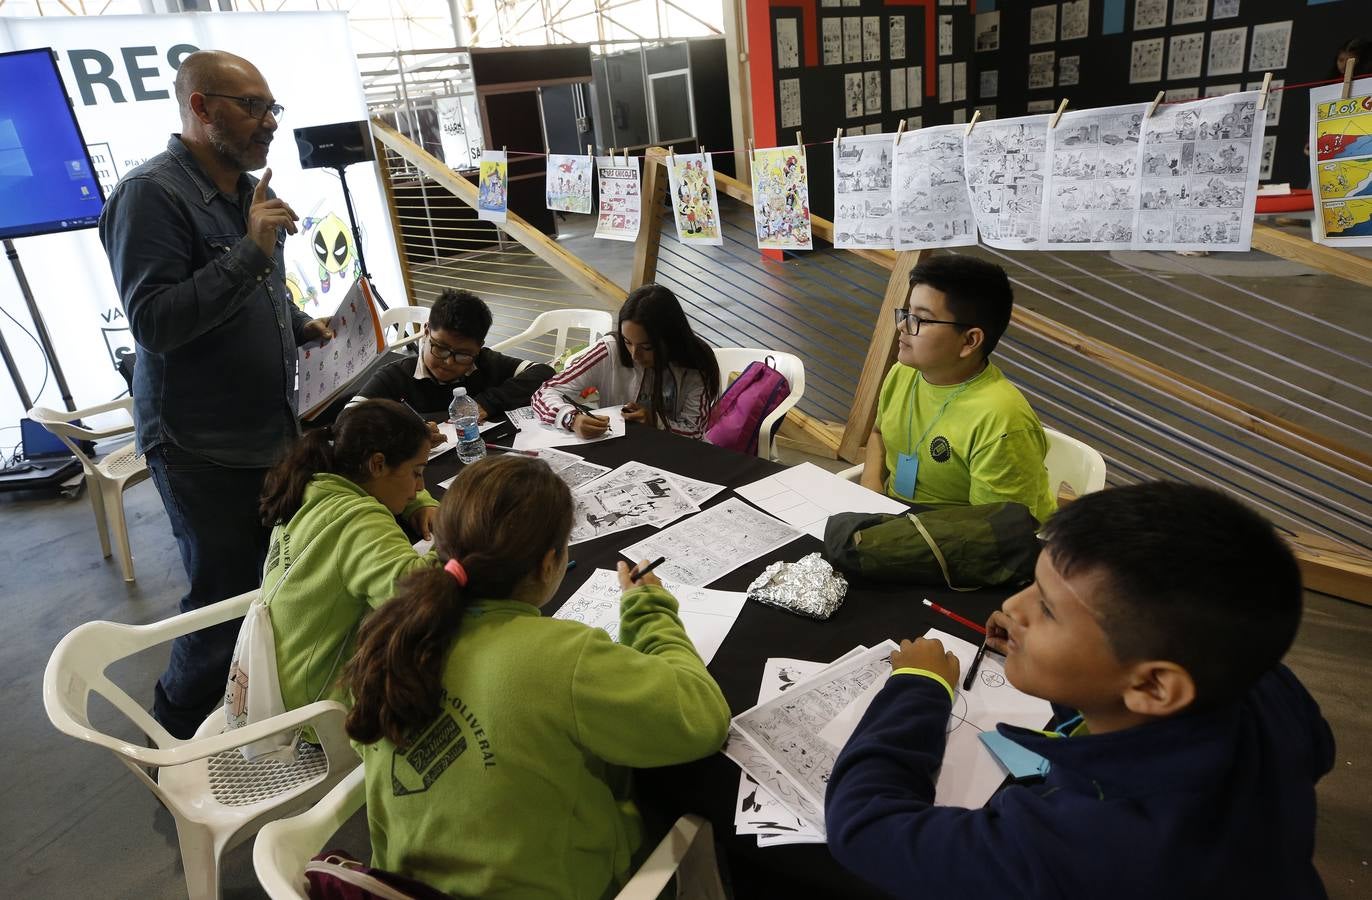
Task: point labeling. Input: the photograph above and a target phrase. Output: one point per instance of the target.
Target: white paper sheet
(706, 615)
(1005, 162)
(1226, 51)
(621, 201)
(691, 177)
(863, 216)
(1145, 61)
(833, 41)
(930, 191)
(1200, 175)
(805, 496)
(567, 185)
(326, 370)
(536, 435)
(711, 544)
(632, 495)
(572, 469)
(1093, 179)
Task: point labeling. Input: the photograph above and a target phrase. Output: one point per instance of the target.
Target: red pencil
(955, 617)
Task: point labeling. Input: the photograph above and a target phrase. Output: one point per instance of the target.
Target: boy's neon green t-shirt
(978, 442)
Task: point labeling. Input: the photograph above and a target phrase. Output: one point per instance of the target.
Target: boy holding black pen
(1183, 757)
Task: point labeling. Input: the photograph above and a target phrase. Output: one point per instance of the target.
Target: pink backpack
(738, 414)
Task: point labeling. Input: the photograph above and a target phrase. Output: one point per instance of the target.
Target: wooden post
(653, 193)
(881, 353)
(396, 228)
(1299, 248)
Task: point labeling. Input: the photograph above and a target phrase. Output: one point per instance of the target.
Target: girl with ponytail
(498, 742)
(336, 542)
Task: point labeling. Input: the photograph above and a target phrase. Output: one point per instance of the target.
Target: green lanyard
(910, 425)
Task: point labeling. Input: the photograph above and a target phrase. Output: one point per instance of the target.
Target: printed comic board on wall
(118, 71)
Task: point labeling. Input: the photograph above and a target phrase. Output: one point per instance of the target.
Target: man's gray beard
(227, 153)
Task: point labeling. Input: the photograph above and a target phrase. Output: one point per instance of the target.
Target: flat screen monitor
(47, 182)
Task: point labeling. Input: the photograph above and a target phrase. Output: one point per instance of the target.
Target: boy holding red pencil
(1184, 755)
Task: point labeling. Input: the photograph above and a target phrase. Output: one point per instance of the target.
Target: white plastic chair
(409, 322)
(217, 798)
(597, 323)
(1071, 463)
(285, 847)
(107, 478)
(735, 359)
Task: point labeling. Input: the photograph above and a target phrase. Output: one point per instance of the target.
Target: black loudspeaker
(334, 146)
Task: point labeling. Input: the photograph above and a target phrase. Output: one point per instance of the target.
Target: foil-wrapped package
(808, 586)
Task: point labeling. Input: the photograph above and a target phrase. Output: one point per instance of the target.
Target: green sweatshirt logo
(413, 770)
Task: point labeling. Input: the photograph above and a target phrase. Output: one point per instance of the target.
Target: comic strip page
(930, 190)
(1341, 164)
(493, 184)
(1185, 53)
(630, 496)
(569, 183)
(1076, 14)
(695, 206)
(1200, 175)
(1093, 178)
(788, 44)
(1145, 61)
(862, 192)
(781, 199)
(1005, 163)
(711, 544)
(1270, 45)
(832, 41)
(620, 198)
(325, 370)
(1226, 51)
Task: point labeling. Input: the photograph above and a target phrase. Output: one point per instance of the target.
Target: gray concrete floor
(77, 822)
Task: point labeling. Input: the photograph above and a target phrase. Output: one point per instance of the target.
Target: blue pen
(571, 565)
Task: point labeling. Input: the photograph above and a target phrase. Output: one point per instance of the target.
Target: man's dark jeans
(213, 512)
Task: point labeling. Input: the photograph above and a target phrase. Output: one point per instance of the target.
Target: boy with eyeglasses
(452, 355)
(950, 428)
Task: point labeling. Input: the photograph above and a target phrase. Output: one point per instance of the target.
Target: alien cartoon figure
(332, 246)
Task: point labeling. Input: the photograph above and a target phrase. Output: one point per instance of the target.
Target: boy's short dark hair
(978, 292)
(462, 312)
(1192, 576)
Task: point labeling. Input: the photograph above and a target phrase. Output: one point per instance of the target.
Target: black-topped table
(869, 615)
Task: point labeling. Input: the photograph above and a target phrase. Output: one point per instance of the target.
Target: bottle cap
(459, 392)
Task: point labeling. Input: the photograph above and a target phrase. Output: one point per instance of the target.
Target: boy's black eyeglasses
(257, 107)
(443, 353)
(904, 317)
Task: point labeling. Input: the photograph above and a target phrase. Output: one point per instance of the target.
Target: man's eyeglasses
(443, 354)
(257, 107)
(904, 317)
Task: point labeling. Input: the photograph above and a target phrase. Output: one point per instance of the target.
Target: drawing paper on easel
(323, 371)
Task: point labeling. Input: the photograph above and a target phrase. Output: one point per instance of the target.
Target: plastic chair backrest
(404, 318)
(63, 425)
(1074, 463)
(285, 846)
(597, 323)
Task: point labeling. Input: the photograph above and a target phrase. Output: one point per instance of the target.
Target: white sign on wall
(119, 72)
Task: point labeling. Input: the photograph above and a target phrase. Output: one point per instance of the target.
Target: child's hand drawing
(927, 654)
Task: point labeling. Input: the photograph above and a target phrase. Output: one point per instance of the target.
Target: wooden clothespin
(900, 129)
(1153, 107)
(671, 155)
(800, 141)
(589, 154)
(976, 116)
(1266, 85)
(704, 154)
(1348, 66)
(752, 151)
(1057, 116)
(838, 138)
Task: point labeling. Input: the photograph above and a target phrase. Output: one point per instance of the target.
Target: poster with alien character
(326, 370)
(331, 242)
(695, 206)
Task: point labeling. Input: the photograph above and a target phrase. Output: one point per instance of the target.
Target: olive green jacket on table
(345, 552)
(520, 787)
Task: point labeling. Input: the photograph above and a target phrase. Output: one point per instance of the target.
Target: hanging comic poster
(897, 89)
(789, 89)
(862, 192)
(852, 39)
(1092, 187)
(1185, 52)
(1076, 14)
(1270, 45)
(788, 44)
(914, 87)
(621, 200)
(695, 206)
(990, 84)
(1225, 9)
(1184, 12)
(1150, 14)
(1043, 24)
(1041, 69)
(945, 82)
(1200, 175)
(852, 95)
(945, 35)
(1341, 164)
(325, 370)
(1069, 71)
(930, 191)
(493, 183)
(871, 39)
(987, 29)
(1226, 51)
(1005, 164)
(781, 199)
(872, 93)
(959, 82)
(833, 41)
(896, 38)
(568, 186)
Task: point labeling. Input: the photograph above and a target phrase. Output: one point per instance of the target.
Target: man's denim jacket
(215, 328)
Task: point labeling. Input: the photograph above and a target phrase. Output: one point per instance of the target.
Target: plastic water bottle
(463, 414)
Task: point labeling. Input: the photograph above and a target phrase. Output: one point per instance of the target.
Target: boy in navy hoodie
(1185, 755)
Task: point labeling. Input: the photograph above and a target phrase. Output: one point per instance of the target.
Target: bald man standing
(195, 245)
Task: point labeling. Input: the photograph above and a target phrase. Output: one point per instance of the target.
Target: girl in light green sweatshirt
(333, 501)
(498, 743)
